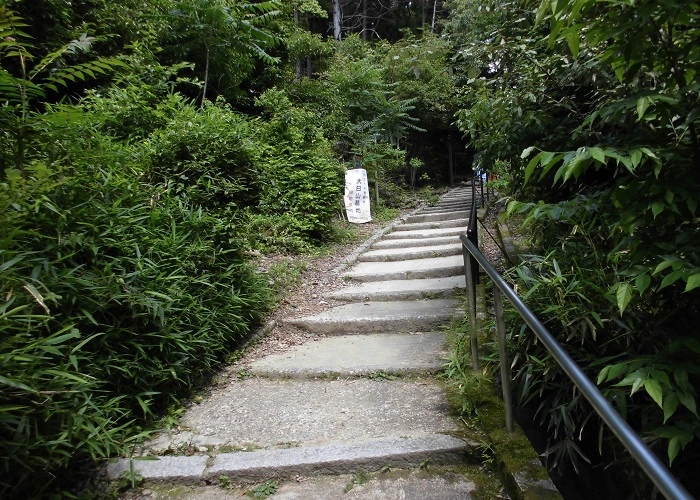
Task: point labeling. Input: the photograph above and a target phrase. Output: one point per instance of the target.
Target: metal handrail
(659, 474)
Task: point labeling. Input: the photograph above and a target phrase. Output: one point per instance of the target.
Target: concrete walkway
(361, 401)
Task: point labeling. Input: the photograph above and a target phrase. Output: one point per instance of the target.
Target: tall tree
(337, 20)
(224, 36)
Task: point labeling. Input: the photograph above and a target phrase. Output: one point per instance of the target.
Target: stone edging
(268, 327)
(352, 258)
(526, 480)
(507, 240)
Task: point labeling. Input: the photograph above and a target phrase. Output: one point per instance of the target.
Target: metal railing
(474, 260)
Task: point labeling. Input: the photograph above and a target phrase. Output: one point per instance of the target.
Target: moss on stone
(473, 397)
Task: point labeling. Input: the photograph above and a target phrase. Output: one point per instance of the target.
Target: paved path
(359, 402)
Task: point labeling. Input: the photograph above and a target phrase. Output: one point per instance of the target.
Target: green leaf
(657, 207)
(624, 296)
(642, 283)
(573, 41)
(602, 375)
(11, 262)
(654, 390)
(532, 164)
(693, 282)
(548, 160)
(60, 339)
(636, 157)
(642, 105)
(663, 265)
(674, 447)
(670, 405)
(637, 376)
(671, 278)
(597, 154)
(15, 384)
(636, 385)
(688, 401)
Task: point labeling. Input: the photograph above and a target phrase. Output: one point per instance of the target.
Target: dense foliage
(148, 151)
(590, 110)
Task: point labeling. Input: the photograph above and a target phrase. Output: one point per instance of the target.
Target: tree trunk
(376, 185)
(432, 25)
(337, 20)
(206, 77)
(364, 20)
(299, 61)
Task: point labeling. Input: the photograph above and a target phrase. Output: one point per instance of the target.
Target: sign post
(357, 196)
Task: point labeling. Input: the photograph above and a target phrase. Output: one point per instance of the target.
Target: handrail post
(503, 359)
(482, 181)
(471, 272)
(473, 235)
(471, 307)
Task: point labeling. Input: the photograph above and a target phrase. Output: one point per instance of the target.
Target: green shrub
(116, 299)
(300, 183)
(204, 155)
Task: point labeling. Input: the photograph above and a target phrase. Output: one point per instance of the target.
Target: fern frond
(15, 90)
(101, 65)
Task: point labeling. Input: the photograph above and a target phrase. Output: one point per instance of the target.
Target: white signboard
(357, 196)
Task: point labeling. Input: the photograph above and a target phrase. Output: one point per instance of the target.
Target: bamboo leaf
(17, 385)
(37, 296)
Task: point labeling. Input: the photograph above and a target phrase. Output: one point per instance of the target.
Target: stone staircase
(363, 399)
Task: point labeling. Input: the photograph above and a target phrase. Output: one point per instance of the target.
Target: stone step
(356, 355)
(381, 317)
(455, 199)
(453, 207)
(457, 192)
(338, 458)
(408, 253)
(433, 267)
(414, 242)
(371, 455)
(261, 413)
(434, 482)
(426, 233)
(455, 222)
(401, 289)
(456, 195)
(436, 216)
